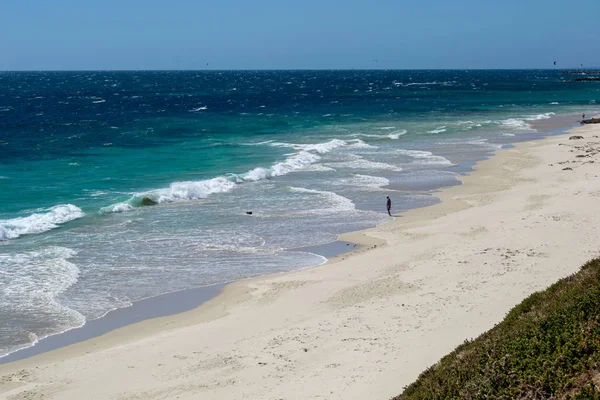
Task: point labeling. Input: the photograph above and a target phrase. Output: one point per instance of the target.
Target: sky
(300, 34)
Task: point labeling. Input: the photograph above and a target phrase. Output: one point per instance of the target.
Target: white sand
(364, 325)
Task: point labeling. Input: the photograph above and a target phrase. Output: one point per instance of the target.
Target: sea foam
(523, 123)
(393, 135)
(39, 222)
(441, 129)
(304, 156)
(363, 182)
(31, 283)
(425, 157)
(360, 163)
(338, 203)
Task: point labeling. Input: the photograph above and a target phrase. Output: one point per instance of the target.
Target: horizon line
(583, 69)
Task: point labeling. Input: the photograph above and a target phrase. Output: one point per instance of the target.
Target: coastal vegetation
(547, 347)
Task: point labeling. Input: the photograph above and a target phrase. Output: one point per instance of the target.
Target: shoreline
(331, 251)
(162, 305)
(476, 189)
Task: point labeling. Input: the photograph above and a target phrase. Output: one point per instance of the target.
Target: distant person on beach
(389, 205)
(582, 116)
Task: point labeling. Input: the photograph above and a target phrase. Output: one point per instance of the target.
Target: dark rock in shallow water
(591, 121)
(575, 137)
(146, 201)
(249, 212)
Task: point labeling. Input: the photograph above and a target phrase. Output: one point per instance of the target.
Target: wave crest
(39, 222)
(177, 191)
(306, 155)
(425, 157)
(392, 136)
(339, 203)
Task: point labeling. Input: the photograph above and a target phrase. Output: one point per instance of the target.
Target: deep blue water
(123, 185)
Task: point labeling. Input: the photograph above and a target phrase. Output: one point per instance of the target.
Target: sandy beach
(366, 323)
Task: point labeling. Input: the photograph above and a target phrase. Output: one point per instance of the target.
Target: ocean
(119, 186)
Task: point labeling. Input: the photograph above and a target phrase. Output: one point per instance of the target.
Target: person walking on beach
(389, 205)
(582, 116)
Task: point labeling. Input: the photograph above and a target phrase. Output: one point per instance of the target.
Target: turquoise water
(122, 185)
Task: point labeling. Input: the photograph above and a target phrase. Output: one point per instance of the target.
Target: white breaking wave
(422, 83)
(537, 117)
(425, 157)
(393, 135)
(515, 123)
(177, 191)
(31, 283)
(116, 208)
(321, 148)
(305, 156)
(293, 163)
(371, 181)
(361, 163)
(363, 182)
(521, 123)
(198, 109)
(441, 129)
(39, 222)
(339, 203)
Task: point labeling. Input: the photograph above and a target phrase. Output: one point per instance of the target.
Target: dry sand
(366, 324)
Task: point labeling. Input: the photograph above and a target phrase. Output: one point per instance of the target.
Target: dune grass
(547, 347)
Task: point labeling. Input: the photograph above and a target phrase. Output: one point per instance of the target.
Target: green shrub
(547, 347)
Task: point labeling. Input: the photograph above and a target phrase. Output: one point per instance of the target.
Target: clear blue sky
(286, 34)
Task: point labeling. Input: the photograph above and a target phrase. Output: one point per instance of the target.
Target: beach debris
(567, 169)
(576, 137)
